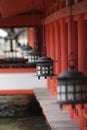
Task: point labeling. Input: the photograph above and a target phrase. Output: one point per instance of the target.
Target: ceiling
(14, 7)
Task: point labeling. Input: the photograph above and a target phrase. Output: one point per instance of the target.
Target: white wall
(17, 81)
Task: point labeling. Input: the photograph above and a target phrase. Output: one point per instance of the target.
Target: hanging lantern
(44, 67)
(33, 55)
(72, 88)
(72, 85)
(25, 50)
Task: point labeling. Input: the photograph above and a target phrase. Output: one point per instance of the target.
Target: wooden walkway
(58, 119)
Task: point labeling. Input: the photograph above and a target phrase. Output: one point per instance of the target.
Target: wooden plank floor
(57, 118)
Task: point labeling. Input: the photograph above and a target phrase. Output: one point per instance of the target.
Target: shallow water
(25, 123)
(21, 112)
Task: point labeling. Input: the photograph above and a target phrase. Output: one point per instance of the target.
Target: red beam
(16, 91)
(20, 20)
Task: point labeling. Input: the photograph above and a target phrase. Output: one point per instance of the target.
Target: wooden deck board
(58, 119)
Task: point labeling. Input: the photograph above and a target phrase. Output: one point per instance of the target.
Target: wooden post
(64, 45)
(31, 37)
(82, 45)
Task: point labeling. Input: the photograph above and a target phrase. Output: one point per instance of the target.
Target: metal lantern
(33, 55)
(25, 50)
(72, 88)
(44, 67)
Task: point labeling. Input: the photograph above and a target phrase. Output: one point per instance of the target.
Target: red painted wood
(71, 111)
(31, 36)
(73, 40)
(51, 46)
(16, 91)
(20, 20)
(48, 50)
(82, 45)
(52, 41)
(47, 40)
(64, 45)
(18, 70)
(57, 47)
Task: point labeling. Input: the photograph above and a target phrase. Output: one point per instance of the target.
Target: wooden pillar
(48, 50)
(82, 45)
(64, 45)
(73, 41)
(81, 119)
(52, 41)
(52, 55)
(31, 37)
(47, 39)
(57, 52)
(57, 47)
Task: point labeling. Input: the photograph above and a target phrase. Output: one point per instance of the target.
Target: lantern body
(72, 88)
(33, 56)
(44, 67)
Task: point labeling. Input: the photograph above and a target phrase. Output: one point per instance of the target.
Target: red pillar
(73, 41)
(57, 53)
(57, 47)
(52, 55)
(52, 41)
(82, 45)
(72, 44)
(31, 37)
(64, 45)
(48, 50)
(47, 40)
(81, 118)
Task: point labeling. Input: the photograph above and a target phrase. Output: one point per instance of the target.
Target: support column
(48, 51)
(82, 45)
(57, 47)
(47, 40)
(31, 37)
(57, 52)
(64, 45)
(74, 41)
(72, 44)
(52, 55)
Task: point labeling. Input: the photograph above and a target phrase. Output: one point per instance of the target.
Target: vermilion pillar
(64, 45)
(47, 40)
(57, 47)
(82, 45)
(82, 58)
(52, 41)
(57, 52)
(73, 41)
(31, 37)
(48, 50)
(72, 47)
(52, 55)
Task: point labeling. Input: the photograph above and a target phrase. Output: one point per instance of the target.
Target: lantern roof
(44, 59)
(71, 74)
(26, 47)
(33, 51)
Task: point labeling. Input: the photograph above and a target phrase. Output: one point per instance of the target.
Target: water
(21, 112)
